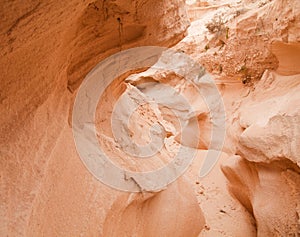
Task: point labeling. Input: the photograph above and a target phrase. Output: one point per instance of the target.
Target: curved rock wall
(252, 49)
(47, 47)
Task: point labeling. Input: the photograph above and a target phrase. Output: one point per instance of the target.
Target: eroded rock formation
(47, 48)
(251, 49)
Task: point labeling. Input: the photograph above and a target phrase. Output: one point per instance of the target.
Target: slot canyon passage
(250, 50)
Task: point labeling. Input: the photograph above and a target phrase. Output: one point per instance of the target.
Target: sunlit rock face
(252, 27)
(251, 50)
(266, 179)
(271, 122)
(256, 43)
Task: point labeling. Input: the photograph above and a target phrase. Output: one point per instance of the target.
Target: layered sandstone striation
(47, 48)
(251, 50)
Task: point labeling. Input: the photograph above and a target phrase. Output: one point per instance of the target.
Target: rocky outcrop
(266, 179)
(154, 214)
(271, 122)
(257, 43)
(270, 193)
(236, 40)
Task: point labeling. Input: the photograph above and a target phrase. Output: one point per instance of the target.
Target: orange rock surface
(251, 50)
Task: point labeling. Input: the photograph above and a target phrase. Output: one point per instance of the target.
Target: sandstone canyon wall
(46, 50)
(251, 49)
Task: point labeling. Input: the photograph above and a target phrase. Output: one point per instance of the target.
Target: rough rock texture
(250, 28)
(55, 44)
(263, 116)
(270, 141)
(46, 50)
(270, 193)
(271, 122)
(252, 50)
